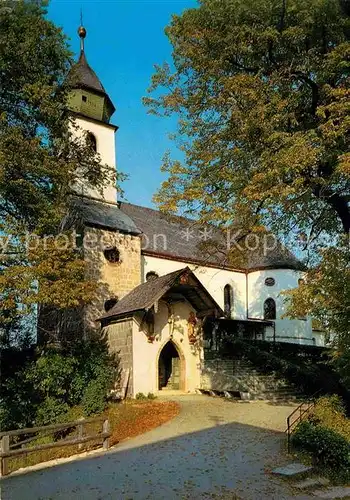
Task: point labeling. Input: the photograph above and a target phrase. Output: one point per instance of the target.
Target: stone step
(269, 397)
(336, 492)
(292, 470)
(311, 482)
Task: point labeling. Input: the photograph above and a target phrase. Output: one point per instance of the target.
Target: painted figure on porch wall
(191, 327)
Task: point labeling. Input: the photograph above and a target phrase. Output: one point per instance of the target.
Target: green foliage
(326, 294)
(326, 436)
(342, 365)
(18, 397)
(140, 396)
(95, 397)
(51, 382)
(328, 448)
(52, 374)
(330, 412)
(261, 92)
(51, 410)
(40, 159)
(150, 395)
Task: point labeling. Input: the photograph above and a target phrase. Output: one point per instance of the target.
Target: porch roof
(171, 286)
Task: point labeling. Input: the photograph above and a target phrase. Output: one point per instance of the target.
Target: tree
(326, 294)
(261, 88)
(40, 159)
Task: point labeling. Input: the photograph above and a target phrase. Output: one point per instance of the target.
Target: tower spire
(81, 32)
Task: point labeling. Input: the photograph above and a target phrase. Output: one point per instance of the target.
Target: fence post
(105, 430)
(5, 446)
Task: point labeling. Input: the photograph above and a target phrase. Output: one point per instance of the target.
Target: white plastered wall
(286, 330)
(252, 286)
(214, 280)
(105, 141)
(146, 354)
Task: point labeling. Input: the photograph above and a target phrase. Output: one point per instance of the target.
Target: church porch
(167, 315)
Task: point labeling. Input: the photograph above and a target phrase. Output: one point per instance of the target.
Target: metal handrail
(302, 412)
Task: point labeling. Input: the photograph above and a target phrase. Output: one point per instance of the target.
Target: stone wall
(119, 337)
(241, 377)
(114, 279)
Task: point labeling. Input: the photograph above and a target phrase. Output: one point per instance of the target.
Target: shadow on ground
(220, 461)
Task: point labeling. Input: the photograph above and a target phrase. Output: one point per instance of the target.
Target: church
(163, 297)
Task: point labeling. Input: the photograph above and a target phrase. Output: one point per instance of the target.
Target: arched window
(228, 300)
(91, 141)
(151, 275)
(269, 309)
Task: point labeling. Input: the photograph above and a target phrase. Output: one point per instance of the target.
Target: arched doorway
(170, 368)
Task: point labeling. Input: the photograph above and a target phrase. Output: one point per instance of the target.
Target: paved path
(214, 449)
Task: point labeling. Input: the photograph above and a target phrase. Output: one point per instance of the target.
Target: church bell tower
(92, 109)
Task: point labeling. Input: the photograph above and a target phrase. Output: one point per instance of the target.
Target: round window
(110, 303)
(112, 255)
(151, 275)
(270, 282)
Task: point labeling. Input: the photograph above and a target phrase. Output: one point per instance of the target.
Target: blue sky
(124, 40)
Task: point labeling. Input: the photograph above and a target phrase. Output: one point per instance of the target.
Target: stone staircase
(242, 380)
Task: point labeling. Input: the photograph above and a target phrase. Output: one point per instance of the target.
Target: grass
(127, 419)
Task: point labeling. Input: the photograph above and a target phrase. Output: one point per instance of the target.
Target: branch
(338, 203)
(241, 67)
(314, 89)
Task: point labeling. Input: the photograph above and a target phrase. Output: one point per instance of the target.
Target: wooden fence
(12, 449)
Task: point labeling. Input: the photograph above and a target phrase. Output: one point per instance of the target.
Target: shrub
(51, 411)
(95, 397)
(150, 395)
(330, 412)
(18, 402)
(140, 395)
(54, 380)
(328, 448)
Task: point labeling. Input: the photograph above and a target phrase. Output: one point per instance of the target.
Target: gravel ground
(214, 449)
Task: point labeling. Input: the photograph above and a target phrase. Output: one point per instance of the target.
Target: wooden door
(175, 375)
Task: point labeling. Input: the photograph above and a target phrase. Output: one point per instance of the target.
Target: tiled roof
(145, 295)
(104, 215)
(82, 75)
(183, 239)
(171, 236)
